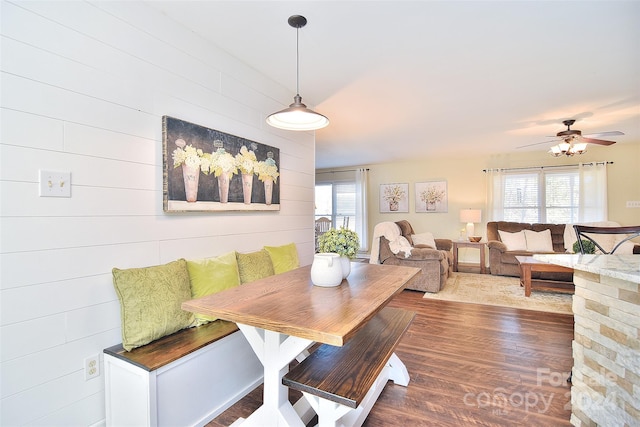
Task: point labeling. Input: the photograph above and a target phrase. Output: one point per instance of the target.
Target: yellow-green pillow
(150, 300)
(209, 276)
(254, 265)
(283, 258)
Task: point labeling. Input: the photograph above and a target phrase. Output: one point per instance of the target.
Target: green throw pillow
(284, 258)
(209, 276)
(254, 266)
(150, 300)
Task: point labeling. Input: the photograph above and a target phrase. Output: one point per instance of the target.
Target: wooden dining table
(283, 315)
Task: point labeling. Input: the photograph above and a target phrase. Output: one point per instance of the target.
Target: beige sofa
(436, 263)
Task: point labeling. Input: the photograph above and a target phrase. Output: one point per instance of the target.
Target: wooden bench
(343, 383)
(184, 379)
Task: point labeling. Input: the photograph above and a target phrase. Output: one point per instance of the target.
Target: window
(562, 197)
(541, 196)
(342, 197)
(550, 194)
(337, 201)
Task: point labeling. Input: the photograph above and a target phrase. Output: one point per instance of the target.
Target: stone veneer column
(606, 351)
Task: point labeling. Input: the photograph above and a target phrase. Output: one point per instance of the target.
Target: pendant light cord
(298, 61)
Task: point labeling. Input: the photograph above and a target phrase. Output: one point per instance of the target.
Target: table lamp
(470, 216)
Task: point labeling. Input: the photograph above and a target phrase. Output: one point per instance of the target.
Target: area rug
(500, 291)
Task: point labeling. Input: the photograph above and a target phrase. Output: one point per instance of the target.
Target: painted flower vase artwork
(190, 158)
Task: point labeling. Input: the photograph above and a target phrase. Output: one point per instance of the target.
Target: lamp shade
(297, 117)
(470, 215)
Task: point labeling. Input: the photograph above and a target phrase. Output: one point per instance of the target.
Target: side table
(482, 246)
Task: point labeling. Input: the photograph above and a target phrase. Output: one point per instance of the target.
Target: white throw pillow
(424, 239)
(513, 241)
(538, 241)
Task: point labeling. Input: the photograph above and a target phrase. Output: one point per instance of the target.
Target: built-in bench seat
(343, 383)
(183, 379)
(159, 377)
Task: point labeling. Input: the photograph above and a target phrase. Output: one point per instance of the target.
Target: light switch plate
(55, 184)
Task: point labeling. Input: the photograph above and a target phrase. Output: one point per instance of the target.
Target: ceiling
(407, 79)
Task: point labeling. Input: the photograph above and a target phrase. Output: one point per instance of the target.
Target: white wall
(84, 88)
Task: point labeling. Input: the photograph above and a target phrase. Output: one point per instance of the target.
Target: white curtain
(495, 194)
(593, 192)
(362, 180)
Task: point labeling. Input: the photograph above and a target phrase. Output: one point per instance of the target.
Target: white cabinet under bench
(184, 379)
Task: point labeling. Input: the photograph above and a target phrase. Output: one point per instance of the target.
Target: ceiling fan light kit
(574, 143)
(297, 117)
(568, 149)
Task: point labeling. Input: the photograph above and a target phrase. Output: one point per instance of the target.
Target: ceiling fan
(573, 142)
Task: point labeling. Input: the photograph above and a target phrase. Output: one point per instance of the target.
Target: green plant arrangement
(588, 245)
(343, 242)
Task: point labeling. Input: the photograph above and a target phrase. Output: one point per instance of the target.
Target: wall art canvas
(394, 198)
(209, 170)
(431, 196)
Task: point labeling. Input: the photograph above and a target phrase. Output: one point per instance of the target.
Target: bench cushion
(150, 300)
(209, 276)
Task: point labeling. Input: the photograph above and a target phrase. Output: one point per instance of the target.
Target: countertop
(625, 267)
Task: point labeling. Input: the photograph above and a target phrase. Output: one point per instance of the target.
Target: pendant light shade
(297, 116)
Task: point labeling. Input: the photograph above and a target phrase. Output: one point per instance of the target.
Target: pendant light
(297, 116)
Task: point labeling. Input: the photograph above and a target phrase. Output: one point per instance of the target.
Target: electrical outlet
(91, 367)
(55, 184)
(633, 204)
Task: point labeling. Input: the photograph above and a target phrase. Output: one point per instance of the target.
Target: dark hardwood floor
(470, 365)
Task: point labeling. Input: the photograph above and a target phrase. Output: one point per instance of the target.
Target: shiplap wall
(84, 86)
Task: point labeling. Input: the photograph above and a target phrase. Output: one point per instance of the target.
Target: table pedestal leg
(275, 351)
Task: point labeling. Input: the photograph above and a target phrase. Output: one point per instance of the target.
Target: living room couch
(435, 260)
(502, 259)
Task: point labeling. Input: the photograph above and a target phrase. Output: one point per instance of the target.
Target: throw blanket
(400, 244)
(391, 232)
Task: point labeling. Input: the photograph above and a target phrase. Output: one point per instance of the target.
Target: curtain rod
(551, 166)
(344, 170)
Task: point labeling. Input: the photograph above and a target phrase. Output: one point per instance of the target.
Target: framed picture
(209, 170)
(394, 197)
(431, 196)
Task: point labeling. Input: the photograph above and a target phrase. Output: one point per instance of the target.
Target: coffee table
(529, 264)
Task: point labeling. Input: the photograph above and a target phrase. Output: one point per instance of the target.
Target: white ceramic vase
(346, 266)
(326, 270)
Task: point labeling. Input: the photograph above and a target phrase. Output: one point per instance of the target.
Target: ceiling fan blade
(597, 141)
(610, 133)
(538, 143)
